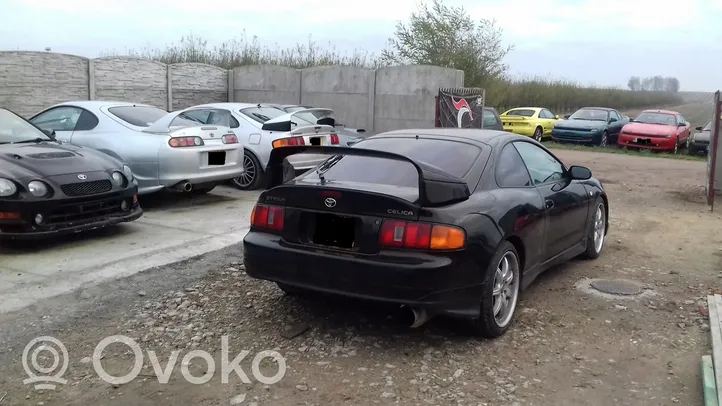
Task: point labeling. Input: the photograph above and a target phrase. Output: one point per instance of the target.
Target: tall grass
(561, 96)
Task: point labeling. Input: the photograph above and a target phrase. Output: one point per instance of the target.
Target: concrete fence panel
(348, 90)
(197, 83)
(405, 95)
(266, 84)
(132, 80)
(32, 81)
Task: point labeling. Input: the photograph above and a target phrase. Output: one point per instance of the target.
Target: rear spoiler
(436, 187)
(283, 123)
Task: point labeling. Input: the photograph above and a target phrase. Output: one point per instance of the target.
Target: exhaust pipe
(184, 186)
(420, 316)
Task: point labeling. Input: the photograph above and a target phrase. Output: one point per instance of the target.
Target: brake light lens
(414, 235)
(334, 139)
(229, 139)
(179, 142)
(268, 217)
(288, 142)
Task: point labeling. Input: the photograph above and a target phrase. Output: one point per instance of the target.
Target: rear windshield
(141, 116)
(453, 157)
(262, 114)
(521, 112)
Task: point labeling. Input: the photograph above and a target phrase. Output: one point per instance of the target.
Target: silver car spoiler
(285, 122)
(163, 125)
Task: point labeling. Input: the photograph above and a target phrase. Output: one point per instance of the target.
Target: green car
(590, 125)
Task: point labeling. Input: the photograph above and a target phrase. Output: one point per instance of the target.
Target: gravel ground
(568, 346)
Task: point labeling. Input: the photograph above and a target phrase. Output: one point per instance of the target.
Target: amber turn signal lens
(447, 238)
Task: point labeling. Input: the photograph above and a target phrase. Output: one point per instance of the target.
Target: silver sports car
(260, 128)
(162, 149)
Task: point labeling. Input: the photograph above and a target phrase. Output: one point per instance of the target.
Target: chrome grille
(86, 188)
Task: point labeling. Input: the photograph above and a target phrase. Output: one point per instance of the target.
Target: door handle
(549, 203)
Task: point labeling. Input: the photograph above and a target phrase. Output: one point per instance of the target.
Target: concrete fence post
(300, 85)
(231, 89)
(372, 103)
(169, 87)
(91, 79)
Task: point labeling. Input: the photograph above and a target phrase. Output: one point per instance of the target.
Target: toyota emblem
(82, 177)
(330, 202)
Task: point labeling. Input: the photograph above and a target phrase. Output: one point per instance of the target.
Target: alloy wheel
(599, 225)
(603, 141)
(506, 289)
(249, 175)
(538, 134)
(676, 145)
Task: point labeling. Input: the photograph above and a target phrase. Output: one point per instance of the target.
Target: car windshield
(708, 127)
(139, 116)
(262, 114)
(312, 117)
(14, 129)
(521, 112)
(655, 118)
(453, 157)
(590, 114)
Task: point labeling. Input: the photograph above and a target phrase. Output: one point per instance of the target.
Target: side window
(547, 114)
(681, 120)
(616, 115)
(86, 122)
(511, 171)
(542, 167)
(62, 118)
(489, 119)
(196, 115)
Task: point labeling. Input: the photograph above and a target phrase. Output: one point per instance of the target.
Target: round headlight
(7, 188)
(118, 178)
(128, 173)
(37, 188)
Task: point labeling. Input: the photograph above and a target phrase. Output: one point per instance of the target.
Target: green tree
(441, 35)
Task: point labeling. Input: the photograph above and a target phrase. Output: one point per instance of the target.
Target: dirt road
(567, 347)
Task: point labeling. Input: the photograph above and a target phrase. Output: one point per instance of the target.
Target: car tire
(254, 175)
(489, 324)
(604, 140)
(538, 134)
(202, 190)
(596, 233)
(691, 150)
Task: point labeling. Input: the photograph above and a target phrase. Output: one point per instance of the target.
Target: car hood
(703, 136)
(650, 129)
(579, 124)
(18, 161)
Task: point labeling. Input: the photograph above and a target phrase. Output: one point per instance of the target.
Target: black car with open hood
(49, 188)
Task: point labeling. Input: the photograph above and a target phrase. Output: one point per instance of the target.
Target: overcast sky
(601, 42)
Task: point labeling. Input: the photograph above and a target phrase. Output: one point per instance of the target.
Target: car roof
(526, 108)
(597, 108)
(488, 137)
(232, 105)
(659, 111)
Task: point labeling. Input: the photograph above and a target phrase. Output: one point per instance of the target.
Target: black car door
(565, 201)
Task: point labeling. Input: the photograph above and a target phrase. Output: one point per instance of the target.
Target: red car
(656, 129)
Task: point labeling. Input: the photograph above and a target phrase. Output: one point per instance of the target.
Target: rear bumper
(526, 131)
(448, 285)
(655, 143)
(195, 166)
(699, 147)
(61, 221)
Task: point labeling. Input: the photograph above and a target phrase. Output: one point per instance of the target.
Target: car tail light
(230, 139)
(334, 139)
(9, 216)
(269, 217)
(414, 235)
(288, 142)
(177, 142)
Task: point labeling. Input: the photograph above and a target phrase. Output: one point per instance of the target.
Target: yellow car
(535, 122)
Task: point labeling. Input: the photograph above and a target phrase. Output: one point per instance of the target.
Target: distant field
(696, 97)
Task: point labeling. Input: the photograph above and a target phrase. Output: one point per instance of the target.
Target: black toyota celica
(48, 188)
(445, 221)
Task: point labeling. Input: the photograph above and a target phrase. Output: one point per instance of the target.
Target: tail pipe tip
(421, 316)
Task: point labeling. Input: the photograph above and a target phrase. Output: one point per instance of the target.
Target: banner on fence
(461, 107)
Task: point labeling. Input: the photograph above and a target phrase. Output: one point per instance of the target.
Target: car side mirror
(613, 120)
(556, 116)
(681, 124)
(49, 133)
(699, 128)
(566, 116)
(580, 172)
